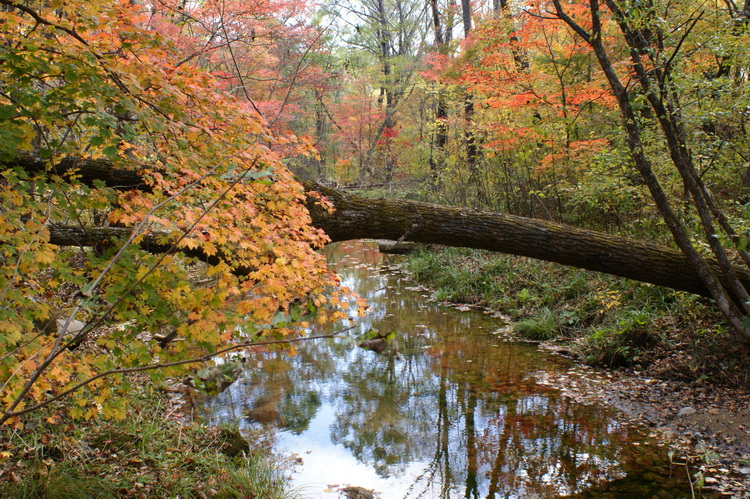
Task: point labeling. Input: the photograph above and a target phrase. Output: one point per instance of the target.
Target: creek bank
(707, 427)
(157, 450)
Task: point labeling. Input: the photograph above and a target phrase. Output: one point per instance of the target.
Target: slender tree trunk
(729, 299)
(441, 109)
(469, 135)
(388, 97)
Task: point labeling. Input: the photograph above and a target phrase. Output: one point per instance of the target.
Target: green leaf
(110, 151)
(7, 112)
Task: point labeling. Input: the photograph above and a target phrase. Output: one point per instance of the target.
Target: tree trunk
(441, 109)
(357, 217)
(470, 139)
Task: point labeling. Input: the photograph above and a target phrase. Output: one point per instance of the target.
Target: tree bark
(69, 235)
(358, 217)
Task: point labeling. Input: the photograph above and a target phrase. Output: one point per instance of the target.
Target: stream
(460, 415)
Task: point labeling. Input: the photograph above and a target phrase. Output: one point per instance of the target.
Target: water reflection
(459, 416)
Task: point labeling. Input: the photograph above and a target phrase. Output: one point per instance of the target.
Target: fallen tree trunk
(358, 217)
(69, 235)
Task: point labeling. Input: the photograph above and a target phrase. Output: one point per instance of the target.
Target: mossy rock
(233, 444)
(358, 493)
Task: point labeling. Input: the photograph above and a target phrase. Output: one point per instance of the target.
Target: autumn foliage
(110, 81)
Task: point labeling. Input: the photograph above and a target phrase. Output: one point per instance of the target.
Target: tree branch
(162, 365)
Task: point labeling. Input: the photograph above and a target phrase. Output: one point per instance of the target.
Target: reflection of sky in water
(329, 464)
(460, 416)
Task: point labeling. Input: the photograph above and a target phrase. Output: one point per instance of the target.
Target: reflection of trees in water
(542, 446)
(500, 434)
(385, 417)
(459, 402)
(280, 389)
(483, 425)
(297, 409)
(289, 388)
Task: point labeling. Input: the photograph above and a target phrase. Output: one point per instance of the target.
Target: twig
(690, 481)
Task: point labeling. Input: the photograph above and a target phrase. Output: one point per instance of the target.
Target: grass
(63, 481)
(545, 326)
(148, 454)
(608, 320)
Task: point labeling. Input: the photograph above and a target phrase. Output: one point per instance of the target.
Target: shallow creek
(461, 415)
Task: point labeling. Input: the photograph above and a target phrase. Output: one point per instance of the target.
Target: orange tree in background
(90, 83)
(264, 53)
(633, 111)
(546, 111)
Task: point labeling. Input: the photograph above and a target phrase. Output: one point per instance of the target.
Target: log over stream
(357, 217)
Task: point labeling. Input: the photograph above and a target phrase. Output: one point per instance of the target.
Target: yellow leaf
(190, 243)
(209, 248)
(54, 419)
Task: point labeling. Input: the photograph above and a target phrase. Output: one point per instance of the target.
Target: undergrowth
(605, 319)
(148, 454)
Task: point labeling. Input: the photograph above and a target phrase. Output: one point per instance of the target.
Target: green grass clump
(618, 343)
(148, 454)
(62, 481)
(543, 327)
(457, 275)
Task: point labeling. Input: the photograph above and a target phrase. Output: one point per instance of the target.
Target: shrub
(619, 344)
